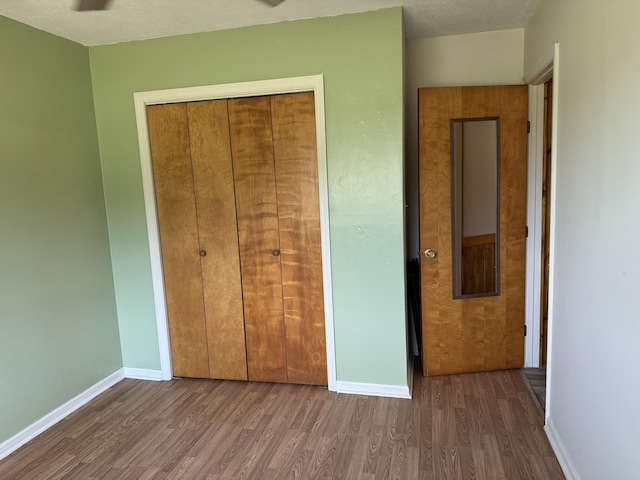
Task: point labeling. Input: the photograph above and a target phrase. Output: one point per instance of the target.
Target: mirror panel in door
(475, 211)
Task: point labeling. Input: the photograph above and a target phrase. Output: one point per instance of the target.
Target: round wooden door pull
(203, 253)
(276, 253)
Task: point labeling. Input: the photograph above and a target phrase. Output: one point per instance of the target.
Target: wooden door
(295, 149)
(546, 220)
(486, 332)
(238, 210)
(198, 236)
(256, 200)
(275, 168)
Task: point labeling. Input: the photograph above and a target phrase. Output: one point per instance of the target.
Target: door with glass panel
(473, 174)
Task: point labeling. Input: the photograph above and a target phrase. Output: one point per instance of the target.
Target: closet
(238, 213)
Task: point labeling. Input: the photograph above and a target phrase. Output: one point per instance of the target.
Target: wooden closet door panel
(295, 149)
(256, 202)
(216, 208)
(175, 200)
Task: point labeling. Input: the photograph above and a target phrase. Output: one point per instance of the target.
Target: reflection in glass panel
(475, 212)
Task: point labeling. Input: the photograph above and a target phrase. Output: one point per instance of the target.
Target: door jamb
(547, 68)
(311, 83)
(534, 222)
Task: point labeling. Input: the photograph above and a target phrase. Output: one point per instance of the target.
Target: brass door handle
(429, 253)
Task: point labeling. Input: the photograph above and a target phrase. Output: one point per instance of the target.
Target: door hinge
(525, 330)
(526, 231)
(528, 126)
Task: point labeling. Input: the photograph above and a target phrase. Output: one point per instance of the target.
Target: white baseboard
(143, 374)
(557, 444)
(374, 389)
(12, 444)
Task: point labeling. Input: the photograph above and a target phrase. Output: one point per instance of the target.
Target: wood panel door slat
(218, 234)
(177, 219)
(294, 137)
(256, 203)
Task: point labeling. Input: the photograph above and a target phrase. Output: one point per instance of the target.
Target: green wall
(360, 56)
(58, 326)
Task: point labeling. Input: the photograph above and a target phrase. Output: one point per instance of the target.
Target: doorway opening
(536, 377)
(543, 107)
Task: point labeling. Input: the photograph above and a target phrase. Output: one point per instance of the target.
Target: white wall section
(594, 324)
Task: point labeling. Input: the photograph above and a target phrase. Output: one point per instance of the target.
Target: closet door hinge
(528, 126)
(525, 330)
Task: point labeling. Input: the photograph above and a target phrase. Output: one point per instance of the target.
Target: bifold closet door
(197, 222)
(295, 148)
(275, 168)
(239, 218)
(256, 201)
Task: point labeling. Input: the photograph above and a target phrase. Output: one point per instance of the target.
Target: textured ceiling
(128, 20)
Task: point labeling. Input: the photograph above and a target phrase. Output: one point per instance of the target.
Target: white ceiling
(128, 20)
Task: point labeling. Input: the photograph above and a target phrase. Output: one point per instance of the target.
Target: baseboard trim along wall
(143, 374)
(568, 468)
(373, 389)
(12, 444)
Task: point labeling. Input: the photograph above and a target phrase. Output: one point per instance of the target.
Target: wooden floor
(536, 379)
(474, 426)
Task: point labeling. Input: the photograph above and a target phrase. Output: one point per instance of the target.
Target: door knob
(429, 253)
(203, 253)
(276, 253)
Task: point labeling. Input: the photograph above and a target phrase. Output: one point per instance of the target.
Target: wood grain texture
(536, 381)
(472, 334)
(471, 426)
(478, 268)
(218, 235)
(295, 150)
(177, 219)
(478, 240)
(257, 209)
(546, 220)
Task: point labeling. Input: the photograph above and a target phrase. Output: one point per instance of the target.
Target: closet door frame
(311, 83)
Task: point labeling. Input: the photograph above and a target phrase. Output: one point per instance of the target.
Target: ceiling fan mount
(98, 5)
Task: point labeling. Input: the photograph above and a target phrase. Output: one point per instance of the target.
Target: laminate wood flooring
(536, 379)
(472, 426)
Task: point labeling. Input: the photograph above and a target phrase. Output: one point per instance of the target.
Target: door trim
(312, 83)
(534, 222)
(543, 69)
